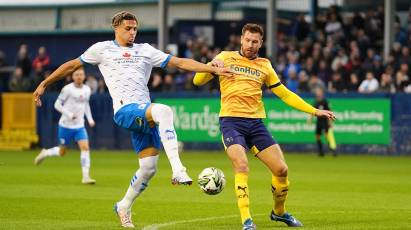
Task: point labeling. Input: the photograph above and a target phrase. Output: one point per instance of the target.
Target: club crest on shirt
(126, 55)
(139, 121)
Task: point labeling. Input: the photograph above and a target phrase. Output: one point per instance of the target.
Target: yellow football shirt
(241, 95)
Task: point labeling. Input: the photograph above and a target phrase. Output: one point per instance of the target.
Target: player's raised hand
(217, 63)
(325, 113)
(226, 72)
(37, 94)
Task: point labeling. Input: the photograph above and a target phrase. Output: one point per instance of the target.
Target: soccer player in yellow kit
(241, 124)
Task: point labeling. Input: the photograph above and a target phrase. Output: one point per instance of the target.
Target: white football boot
(40, 157)
(125, 217)
(181, 178)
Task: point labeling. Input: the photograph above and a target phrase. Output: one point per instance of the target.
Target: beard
(249, 53)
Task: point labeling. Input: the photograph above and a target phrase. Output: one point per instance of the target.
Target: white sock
(163, 116)
(53, 152)
(85, 163)
(139, 182)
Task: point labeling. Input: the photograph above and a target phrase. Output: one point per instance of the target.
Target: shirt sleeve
(272, 79)
(92, 55)
(158, 57)
(59, 104)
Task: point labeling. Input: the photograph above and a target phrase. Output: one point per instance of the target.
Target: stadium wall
(106, 135)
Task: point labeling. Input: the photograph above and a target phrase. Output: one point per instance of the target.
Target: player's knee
(148, 171)
(160, 111)
(84, 148)
(241, 166)
(281, 171)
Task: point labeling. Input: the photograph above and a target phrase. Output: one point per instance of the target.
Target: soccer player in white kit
(73, 104)
(126, 68)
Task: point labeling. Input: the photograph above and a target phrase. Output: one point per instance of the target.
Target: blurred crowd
(28, 72)
(339, 52)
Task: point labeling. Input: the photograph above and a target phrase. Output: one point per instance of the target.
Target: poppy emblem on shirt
(126, 55)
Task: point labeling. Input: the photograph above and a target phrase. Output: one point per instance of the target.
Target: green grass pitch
(347, 192)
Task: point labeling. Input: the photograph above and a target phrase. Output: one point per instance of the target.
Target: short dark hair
(253, 28)
(120, 16)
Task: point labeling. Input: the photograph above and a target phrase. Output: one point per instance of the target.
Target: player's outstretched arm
(297, 102)
(61, 72)
(195, 66)
(202, 78)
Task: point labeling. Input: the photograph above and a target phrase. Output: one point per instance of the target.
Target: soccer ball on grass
(211, 180)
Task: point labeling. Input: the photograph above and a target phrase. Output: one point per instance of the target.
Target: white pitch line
(157, 226)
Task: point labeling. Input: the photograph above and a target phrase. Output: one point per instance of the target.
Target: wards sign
(202, 123)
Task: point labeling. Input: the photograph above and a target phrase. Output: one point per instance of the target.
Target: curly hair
(120, 16)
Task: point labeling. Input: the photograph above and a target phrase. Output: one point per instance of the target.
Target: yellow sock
(280, 190)
(241, 190)
(331, 139)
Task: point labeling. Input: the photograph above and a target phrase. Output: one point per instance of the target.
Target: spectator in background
(404, 69)
(303, 86)
(52, 88)
(340, 60)
(367, 64)
(188, 53)
(23, 60)
(155, 82)
(377, 67)
(401, 81)
(37, 76)
(309, 67)
(363, 42)
(19, 82)
(358, 20)
(42, 59)
(168, 83)
(372, 25)
(300, 28)
(293, 67)
(369, 85)
(203, 55)
(353, 83)
(334, 28)
(92, 83)
(386, 85)
(337, 84)
(405, 57)
(400, 35)
(281, 63)
(315, 83)
(102, 88)
(324, 72)
(292, 81)
(233, 43)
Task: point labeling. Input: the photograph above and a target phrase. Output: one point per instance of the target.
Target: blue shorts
(248, 132)
(65, 135)
(133, 118)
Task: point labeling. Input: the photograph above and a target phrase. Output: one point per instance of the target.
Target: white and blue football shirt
(74, 101)
(126, 70)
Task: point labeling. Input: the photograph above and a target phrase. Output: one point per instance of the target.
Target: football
(211, 180)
